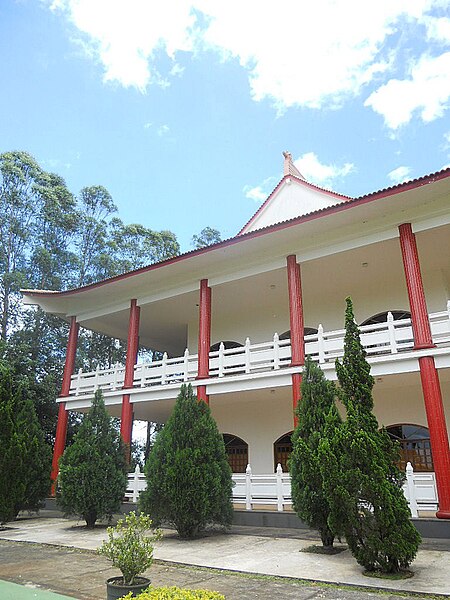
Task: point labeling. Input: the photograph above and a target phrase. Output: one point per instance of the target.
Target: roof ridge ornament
(289, 168)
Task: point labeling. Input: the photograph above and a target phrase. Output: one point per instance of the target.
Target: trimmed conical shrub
(92, 478)
(316, 409)
(362, 484)
(25, 458)
(188, 476)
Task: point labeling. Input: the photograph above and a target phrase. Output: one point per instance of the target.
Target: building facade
(237, 318)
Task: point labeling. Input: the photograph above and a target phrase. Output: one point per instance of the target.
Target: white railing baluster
(320, 343)
(96, 378)
(391, 331)
(164, 369)
(276, 351)
(280, 497)
(186, 365)
(136, 474)
(448, 309)
(221, 359)
(411, 490)
(247, 355)
(115, 376)
(77, 387)
(248, 488)
(143, 374)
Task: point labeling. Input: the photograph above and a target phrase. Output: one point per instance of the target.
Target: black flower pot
(116, 588)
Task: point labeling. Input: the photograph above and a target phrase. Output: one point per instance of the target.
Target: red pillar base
(296, 394)
(202, 395)
(443, 514)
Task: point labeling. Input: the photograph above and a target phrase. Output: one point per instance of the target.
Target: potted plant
(130, 548)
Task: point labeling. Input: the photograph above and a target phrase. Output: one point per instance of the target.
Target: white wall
(259, 418)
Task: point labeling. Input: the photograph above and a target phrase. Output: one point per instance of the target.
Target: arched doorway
(228, 344)
(237, 452)
(382, 317)
(286, 335)
(282, 450)
(415, 446)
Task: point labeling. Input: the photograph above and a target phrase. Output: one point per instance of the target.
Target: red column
(431, 388)
(126, 421)
(63, 415)
(438, 432)
(414, 284)
(204, 338)
(297, 326)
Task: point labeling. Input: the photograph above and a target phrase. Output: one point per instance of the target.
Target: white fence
(388, 338)
(256, 490)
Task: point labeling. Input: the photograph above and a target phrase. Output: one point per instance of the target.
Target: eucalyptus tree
(37, 219)
(206, 237)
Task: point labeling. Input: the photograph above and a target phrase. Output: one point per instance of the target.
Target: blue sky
(182, 108)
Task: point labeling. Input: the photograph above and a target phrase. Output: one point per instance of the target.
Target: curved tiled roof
(383, 193)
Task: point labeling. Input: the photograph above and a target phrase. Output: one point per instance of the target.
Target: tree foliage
(25, 458)
(207, 237)
(362, 483)
(92, 471)
(317, 416)
(188, 476)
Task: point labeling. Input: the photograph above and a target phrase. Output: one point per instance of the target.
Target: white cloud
(446, 140)
(162, 130)
(400, 174)
(427, 90)
(125, 36)
(256, 193)
(438, 28)
(324, 175)
(259, 193)
(314, 54)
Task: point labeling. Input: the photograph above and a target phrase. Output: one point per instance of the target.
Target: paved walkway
(279, 556)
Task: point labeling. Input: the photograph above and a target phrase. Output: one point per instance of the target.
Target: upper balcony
(389, 346)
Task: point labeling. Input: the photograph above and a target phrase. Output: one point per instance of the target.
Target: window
(282, 450)
(237, 452)
(414, 446)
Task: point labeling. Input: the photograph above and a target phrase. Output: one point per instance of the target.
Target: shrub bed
(175, 593)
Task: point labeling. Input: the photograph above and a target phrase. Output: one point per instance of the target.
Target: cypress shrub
(189, 481)
(315, 410)
(25, 458)
(92, 476)
(363, 485)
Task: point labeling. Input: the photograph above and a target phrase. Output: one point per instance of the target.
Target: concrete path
(274, 556)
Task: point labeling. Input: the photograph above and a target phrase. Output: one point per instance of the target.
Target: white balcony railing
(274, 490)
(382, 339)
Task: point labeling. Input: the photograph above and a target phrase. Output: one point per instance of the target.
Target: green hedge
(175, 593)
